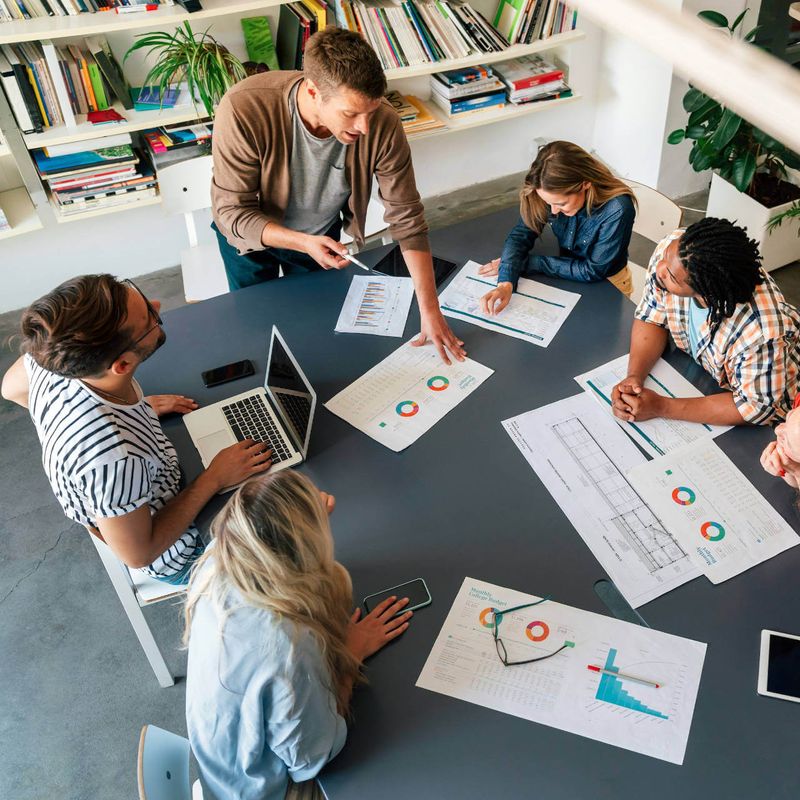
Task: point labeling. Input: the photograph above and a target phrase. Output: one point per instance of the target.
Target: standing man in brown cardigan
(295, 151)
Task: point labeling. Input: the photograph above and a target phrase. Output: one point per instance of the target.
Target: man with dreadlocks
(705, 287)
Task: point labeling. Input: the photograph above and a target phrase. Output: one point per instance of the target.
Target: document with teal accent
(596, 676)
(656, 436)
(535, 313)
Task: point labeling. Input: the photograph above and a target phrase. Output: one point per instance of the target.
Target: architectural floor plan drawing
(582, 456)
(631, 515)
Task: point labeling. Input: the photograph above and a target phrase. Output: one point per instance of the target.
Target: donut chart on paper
(438, 383)
(407, 408)
(683, 495)
(484, 617)
(537, 631)
(712, 531)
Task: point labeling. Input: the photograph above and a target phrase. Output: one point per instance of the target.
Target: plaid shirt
(755, 353)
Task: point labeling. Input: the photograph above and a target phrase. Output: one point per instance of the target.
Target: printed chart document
(376, 304)
(581, 456)
(406, 394)
(716, 514)
(535, 313)
(561, 691)
(656, 436)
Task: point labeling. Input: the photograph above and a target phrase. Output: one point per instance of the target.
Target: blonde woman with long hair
(274, 650)
(591, 213)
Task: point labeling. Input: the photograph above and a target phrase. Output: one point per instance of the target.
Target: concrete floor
(76, 685)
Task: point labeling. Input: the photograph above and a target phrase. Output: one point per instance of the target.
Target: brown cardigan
(252, 145)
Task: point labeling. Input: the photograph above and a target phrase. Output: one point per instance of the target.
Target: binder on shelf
(59, 84)
(101, 52)
(18, 103)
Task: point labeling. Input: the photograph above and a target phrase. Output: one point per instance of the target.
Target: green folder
(507, 17)
(97, 86)
(258, 40)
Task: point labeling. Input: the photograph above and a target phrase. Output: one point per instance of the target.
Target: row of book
(526, 79)
(525, 21)
(112, 174)
(11, 10)
(47, 84)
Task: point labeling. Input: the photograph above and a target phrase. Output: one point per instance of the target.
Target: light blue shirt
(697, 318)
(259, 707)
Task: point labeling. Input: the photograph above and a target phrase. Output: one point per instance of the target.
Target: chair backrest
(186, 186)
(657, 215)
(163, 765)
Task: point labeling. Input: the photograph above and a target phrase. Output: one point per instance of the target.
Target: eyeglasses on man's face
(502, 653)
(152, 314)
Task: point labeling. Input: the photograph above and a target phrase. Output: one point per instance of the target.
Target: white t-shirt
(104, 459)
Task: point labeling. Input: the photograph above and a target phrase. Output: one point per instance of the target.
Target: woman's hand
(774, 461)
(171, 404)
(492, 268)
(366, 636)
(495, 301)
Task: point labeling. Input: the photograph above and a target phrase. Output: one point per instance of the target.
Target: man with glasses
(109, 463)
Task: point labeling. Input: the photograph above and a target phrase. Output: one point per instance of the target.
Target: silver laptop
(280, 414)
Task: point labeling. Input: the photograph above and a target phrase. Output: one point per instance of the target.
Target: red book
(103, 117)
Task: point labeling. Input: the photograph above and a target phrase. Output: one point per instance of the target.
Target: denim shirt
(592, 247)
(259, 708)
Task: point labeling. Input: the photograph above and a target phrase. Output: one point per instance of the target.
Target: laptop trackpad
(210, 445)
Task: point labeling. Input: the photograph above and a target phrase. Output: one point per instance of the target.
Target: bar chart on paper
(376, 305)
(612, 690)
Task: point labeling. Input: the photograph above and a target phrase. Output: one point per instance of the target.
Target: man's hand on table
(434, 328)
(634, 403)
(164, 404)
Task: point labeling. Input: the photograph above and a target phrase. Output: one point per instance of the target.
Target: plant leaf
(696, 131)
(752, 35)
(704, 112)
(738, 20)
(728, 127)
(676, 137)
(715, 18)
(693, 99)
(744, 169)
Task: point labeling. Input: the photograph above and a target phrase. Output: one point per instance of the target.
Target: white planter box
(780, 247)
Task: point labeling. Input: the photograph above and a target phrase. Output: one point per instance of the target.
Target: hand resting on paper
(775, 461)
(490, 269)
(638, 406)
(495, 301)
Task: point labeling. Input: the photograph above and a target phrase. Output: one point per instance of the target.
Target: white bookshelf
(4, 150)
(104, 22)
(514, 51)
(101, 212)
(478, 118)
(20, 212)
(134, 121)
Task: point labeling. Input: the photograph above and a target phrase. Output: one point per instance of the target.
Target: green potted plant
(208, 68)
(751, 179)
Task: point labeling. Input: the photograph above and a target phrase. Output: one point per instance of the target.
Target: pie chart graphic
(712, 531)
(487, 617)
(683, 496)
(537, 631)
(407, 408)
(438, 383)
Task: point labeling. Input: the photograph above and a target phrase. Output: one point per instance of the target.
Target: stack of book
(424, 121)
(412, 32)
(29, 9)
(47, 84)
(531, 79)
(173, 143)
(83, 180)
(461, 91)
(525, 21)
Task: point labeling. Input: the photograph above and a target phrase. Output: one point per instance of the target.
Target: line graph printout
(656, 436)
(719, 517)
(535, 313)
(581, 456)
(377, 305)
(560, 691)
(406, 394)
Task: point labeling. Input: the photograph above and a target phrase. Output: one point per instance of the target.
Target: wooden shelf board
(104, 22)
(20, 211)
(486, 58)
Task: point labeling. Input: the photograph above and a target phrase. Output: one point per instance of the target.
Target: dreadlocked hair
(723, 265)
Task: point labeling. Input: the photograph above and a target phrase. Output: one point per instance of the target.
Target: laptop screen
(291, 393)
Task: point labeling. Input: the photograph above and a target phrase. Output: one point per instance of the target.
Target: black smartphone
(394, 264)
(228, 372)
(416, 591)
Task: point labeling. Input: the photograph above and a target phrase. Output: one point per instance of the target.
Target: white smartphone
(779, 666)
(416, 591)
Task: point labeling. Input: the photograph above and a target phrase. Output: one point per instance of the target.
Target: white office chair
(163, 766)
(656, 217)
(185, 188)
(135, 590)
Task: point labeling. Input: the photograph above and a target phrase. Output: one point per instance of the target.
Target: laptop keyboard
(251, 419)
(297, 408)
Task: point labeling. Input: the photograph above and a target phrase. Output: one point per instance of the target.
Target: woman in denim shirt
(591, 213)
(274, 651)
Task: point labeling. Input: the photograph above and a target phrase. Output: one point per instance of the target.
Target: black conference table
(461, 502)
